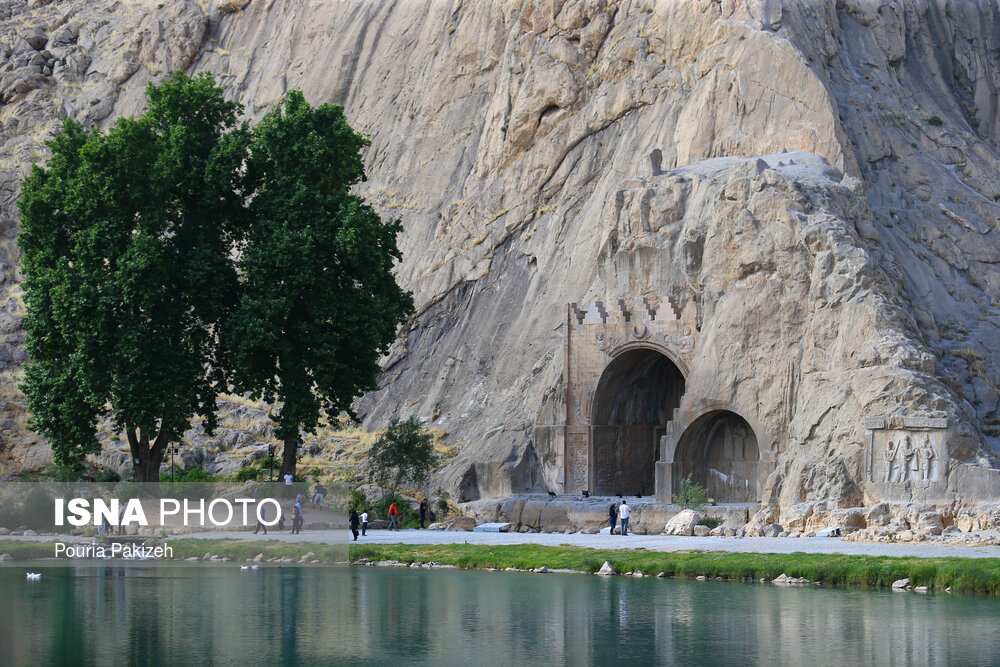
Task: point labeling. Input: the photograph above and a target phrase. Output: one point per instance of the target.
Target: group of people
(361, 520)
(620, 513)
(297, 517)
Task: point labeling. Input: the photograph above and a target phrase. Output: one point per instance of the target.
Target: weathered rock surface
(682, 524)
(854, 276)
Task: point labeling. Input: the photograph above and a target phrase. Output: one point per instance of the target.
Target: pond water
(218, 614)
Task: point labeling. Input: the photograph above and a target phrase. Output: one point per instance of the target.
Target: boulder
(682, 524)
(901, 584)
(701, 531)
(849, 519)
(771, 530)
(878, 515)
(35, 37)
(795, 517)
(929, 522)
(464, 523)
(4, 531)
(229, 6)
(6, 558)
(606, 570)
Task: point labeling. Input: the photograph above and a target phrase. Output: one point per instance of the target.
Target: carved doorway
(634, 400)
(719, 451)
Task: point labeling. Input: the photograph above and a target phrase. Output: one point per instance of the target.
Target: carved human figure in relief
(687, 340)
(891, 451)
(928, 454)
(911, 462)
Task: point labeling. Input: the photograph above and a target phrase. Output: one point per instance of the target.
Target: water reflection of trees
(115, 615)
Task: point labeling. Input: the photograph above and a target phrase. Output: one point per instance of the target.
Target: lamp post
(270, 464)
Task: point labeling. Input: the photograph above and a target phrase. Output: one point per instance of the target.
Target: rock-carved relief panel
(906, 456)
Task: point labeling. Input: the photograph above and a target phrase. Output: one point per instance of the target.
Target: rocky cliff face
(854, 276)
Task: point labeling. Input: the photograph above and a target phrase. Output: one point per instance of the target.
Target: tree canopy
(319, 303)
(125, 239)
(182, 253)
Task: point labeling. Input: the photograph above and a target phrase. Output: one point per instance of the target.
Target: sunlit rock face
(812, 186)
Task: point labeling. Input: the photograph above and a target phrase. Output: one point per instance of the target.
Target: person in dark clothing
(297, 519)
(260, 524)
(423, 512)
(355, 522)
(613, 516)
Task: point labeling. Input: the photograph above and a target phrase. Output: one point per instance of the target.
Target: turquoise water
(220, 615)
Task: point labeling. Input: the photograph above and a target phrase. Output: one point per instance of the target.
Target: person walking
(423, 512)
(297, 517)
(393, 516)
(260, 523)
(623, 513)
(354, 523)
(364, 523)
(613, 517)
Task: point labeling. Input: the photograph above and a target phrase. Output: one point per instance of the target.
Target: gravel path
(782, 545)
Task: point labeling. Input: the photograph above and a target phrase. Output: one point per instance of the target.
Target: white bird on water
(34, 575)
(244, 567)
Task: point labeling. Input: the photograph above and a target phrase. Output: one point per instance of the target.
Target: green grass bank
(979, 576)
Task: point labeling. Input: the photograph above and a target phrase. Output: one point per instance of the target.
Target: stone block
(682, 524)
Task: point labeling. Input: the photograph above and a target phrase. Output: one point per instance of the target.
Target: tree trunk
(288, 458)
(146, 458)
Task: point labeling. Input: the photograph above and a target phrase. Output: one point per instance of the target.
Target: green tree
(128, 271)
(691, 494)
(403, 454)
(319, 301)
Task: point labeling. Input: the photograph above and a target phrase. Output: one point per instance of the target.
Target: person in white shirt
(364, 523)
(288, 479)
(623, 514)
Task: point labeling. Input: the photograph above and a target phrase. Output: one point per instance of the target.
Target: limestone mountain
(810, 188)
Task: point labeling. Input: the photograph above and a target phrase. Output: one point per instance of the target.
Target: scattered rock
(661, 575)
(682, 524)
(5, 558)
(771, 530)
(606, 570)
(901, 584)
(701, 531)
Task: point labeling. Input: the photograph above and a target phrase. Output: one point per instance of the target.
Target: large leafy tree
(319, 301)
(126, 240)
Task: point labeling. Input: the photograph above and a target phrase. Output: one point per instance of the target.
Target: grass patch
(980, 576)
